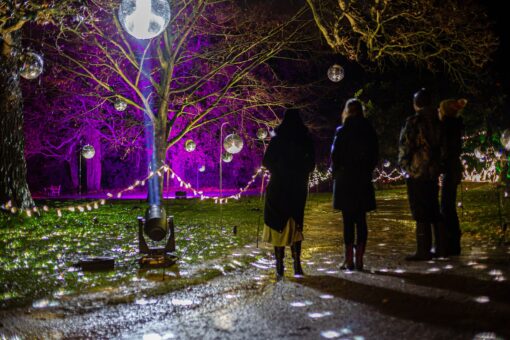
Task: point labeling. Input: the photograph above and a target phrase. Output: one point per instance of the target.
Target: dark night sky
(498, 14)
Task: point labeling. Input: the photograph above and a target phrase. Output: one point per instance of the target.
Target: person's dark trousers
(354, 221)
(449, 212)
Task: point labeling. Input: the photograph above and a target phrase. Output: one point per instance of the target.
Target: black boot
(349, 260)
(423, 243)
(279, 254)
(296, 255)
(441, 240)
(360, 251)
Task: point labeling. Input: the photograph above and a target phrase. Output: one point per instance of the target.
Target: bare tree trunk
(161, 144)
(13, 166)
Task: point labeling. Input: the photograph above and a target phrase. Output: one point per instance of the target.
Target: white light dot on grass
(500, 278)
(382, 244)
(399, 271)
(482, 299)
(495, 272)
(231, 296)
(433, 270)
(144, 301)
(43, 303)
(321, 269)
(332, 272)
(487, 336)
(318, 315)
(330, 334)
(448, 266)
(326, 296)
(301, 303)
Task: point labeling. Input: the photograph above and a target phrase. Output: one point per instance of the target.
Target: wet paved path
(466, 297)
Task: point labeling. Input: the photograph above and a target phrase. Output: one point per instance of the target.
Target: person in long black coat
(290, 158)
(354, 156)
(453, 129)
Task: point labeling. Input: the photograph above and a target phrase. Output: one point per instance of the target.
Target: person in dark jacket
(421, 156)
(290, 157)
(354, 156)
(452, 175)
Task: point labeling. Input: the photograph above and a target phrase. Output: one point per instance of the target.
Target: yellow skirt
(287, 237)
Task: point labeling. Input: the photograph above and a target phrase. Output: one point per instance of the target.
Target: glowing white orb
(262, 133)
(144, 19)
(120, 105)
(190, 145)
(202, 168)
(336, 73)
(387, 164)
(88, 151)
(233, 143)
(479, 153)
(227, 157)
(31, 65)
(505, 139)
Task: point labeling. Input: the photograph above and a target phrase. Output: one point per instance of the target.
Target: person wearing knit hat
(453, 127)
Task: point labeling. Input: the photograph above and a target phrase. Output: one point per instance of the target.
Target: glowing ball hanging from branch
(190, 145)
(336, 73)
(498, 153)
(227, 157)
(262, 133)
(88, 151)
(120, 105)
(32, 65)
(479, 153)
(505, 139)
(233, 143)
(144, 19)
(202, 168)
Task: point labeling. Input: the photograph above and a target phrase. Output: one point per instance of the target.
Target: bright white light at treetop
(144, 19)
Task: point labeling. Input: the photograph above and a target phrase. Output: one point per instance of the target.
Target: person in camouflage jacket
(421, 154)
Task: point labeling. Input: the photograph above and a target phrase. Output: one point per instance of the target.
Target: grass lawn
(36, 254)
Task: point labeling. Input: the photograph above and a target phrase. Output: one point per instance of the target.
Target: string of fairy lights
(490, 161)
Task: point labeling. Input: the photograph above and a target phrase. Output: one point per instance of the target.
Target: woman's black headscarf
(292, 125)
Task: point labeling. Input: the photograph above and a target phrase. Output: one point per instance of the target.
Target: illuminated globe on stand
(262, 133)
(505, 139)
(144, 19)
(120, 105)
(190, 145)
(32, 65)
(233, 143)
(336, 73)
(227, 157)
(88, 151)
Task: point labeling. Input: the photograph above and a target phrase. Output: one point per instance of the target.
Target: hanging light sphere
(88, 151)
(202, 168)
(505, 139)
(144, 19)
(190, 145)
(262, 133)
(479, 153)
(233, 143)
(32, 65)
(498, 153)
(120, 105)
(227, 157)
(336, 73)
(387, 164)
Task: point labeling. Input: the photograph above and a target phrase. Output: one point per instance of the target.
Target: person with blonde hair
(354, 156)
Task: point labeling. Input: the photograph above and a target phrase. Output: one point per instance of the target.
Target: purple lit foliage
(208, 67)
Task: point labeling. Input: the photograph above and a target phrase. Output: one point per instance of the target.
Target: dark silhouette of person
(453, 128)
(290, 157)
(354, 156)
(421, 155)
